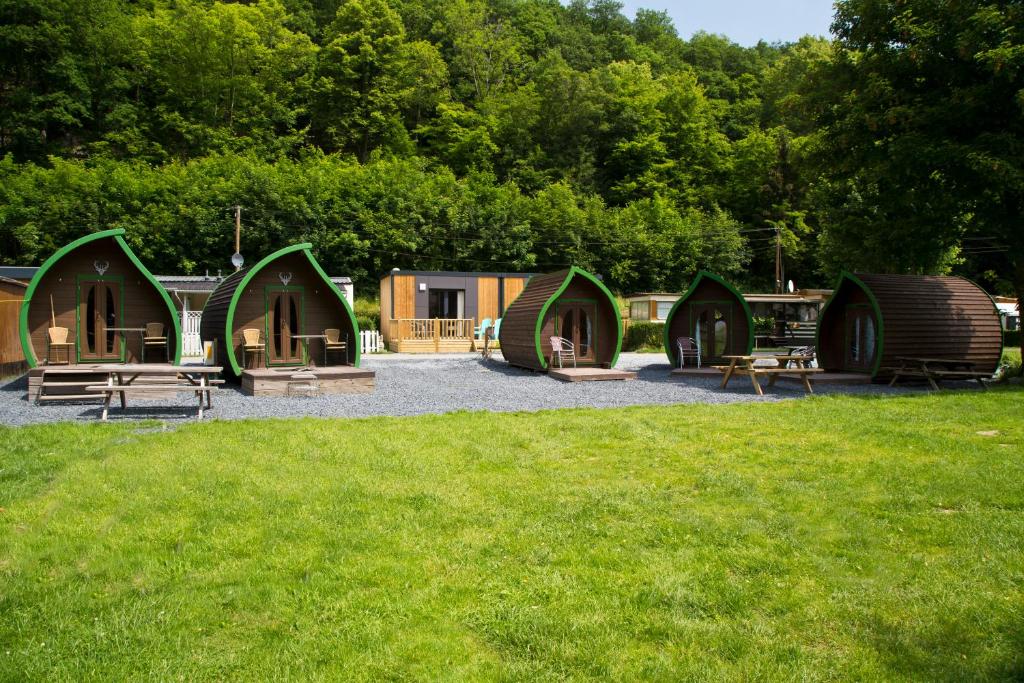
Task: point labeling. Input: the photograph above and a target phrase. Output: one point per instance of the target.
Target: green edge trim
(574, 271)
(229, 319)
(689, 292)
(118, 235)
(844, 277)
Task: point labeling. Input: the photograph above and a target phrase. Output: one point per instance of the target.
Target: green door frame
(79, 279)
(267, 292)
(593, 341)
(728, 330)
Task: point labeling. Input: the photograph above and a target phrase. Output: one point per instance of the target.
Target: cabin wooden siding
(321, 309)
(512, 287)
(12, 358)
(921, 316)
(487, 304)
(142, 301)
(519, 340)
(707, 288)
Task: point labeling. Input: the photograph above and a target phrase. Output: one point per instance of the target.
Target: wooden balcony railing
(437, 334)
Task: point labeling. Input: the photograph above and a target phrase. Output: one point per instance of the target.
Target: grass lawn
(831, 538)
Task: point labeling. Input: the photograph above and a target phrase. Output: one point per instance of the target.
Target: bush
(764, 325)
(367, 313)
(643, 335)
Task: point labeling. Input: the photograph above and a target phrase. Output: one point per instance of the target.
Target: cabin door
(284, 321)
(712, 321)
(860, 339)
(99, 310)
(577, 322)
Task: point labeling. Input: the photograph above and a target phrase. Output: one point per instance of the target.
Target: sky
(743, 21)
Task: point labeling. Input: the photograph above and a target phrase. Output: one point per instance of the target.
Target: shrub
(367, 313)
(764, 325)
(643, 335)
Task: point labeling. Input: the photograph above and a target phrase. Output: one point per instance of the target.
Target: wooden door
(577, 322)
(99, 308)
(860, 339)
(711, 329)
(284, 320)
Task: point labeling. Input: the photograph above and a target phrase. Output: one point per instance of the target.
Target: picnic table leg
(753, 379)
(200, 395)
(124, 401)
(928, 375)
(728, 373)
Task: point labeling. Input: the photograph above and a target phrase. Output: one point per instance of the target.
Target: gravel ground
(418, 384)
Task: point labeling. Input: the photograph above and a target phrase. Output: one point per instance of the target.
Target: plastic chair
(497, 329)
(562, 349)
(332, 342)
(803, 351)
(57, 338)
(154, 336)
(482, 329)
(687, 349)
(251, 343)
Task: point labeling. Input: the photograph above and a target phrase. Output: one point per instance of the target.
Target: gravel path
(414, 385)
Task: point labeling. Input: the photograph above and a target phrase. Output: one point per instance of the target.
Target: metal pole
(238, 232)
(778, 260)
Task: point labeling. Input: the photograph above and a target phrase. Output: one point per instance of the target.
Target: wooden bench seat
(122, 389)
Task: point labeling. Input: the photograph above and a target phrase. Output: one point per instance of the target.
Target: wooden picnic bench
(934, 370)
(190, 378)
(744, 365)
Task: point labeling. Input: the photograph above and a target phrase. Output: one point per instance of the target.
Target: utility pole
(778, 260)
(236, 258)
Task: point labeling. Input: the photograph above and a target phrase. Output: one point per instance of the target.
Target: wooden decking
(589, 374)
(307, 381)
(694, 371)
(434, 335)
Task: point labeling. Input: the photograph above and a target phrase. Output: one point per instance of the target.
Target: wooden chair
(56, 339)
(251, 344)
(562, 349)
(687, 349)
(154, 337)
(332, 342)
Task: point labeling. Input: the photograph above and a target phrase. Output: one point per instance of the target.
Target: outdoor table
(305, 344)
(121, 381)
(935, 370)
(744, 365)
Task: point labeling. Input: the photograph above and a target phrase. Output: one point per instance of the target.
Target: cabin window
(664, 308)
(111, 320)
(277, 324)
(90, 320)
(639, 310)
(586, 332)
(446, 303)
(721, 334)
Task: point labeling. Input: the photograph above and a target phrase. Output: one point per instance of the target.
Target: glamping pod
(871, 320)
(715, 316)
(280, 315)
(94, 302)
(572, 304)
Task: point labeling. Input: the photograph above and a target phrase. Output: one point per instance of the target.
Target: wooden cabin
(12, 358)
(572, 304)
(716, 316)
(429, 311)
(269, 325)
(872, 320)
(99, 292)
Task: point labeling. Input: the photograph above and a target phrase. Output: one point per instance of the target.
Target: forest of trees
(516, 135)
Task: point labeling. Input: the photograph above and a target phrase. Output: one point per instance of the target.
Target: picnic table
(934, 370)
(744, 365)
(121, 381)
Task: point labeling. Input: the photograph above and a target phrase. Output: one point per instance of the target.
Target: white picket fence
(191, 344)
(370, 341)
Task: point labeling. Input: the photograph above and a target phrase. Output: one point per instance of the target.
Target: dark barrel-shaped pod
(270, 315)
(715, 316)
(571, 304)
(91, 301)
(872, 320)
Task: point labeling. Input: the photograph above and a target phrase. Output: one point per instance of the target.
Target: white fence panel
(370, 341)
(191, 344)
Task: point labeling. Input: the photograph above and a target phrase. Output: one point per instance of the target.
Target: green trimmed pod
(285, 294)
(97, 289)
(713, 313)
(572, 304)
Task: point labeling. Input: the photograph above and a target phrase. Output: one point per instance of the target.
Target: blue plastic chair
(482, 329)
(497, 328)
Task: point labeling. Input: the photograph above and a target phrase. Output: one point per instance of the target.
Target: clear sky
(743, 21)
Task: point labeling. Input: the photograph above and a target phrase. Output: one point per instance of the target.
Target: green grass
(826, 539)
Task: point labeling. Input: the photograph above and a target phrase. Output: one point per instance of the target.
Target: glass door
(99, 309)
(577, 322)
(860, 341)
(284, 320)
(711, 329)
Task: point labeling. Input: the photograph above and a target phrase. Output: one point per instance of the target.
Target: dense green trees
(515, 134)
